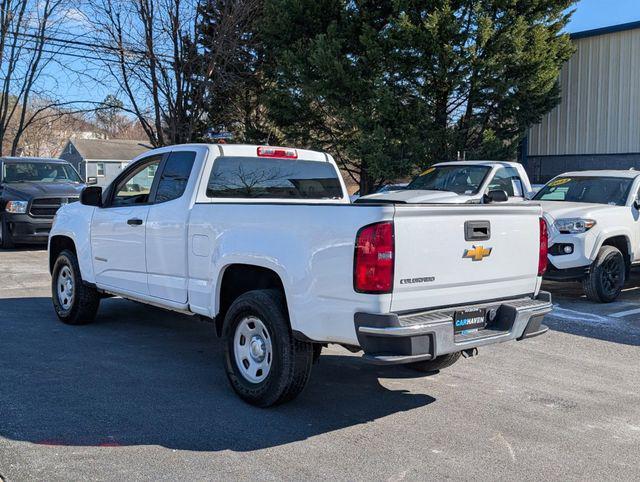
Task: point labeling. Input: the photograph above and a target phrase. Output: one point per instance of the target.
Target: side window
(507, 179)
(175, 175)
(135, 187)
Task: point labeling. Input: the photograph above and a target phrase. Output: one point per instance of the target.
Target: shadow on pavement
(576, 315)
(616, 331)
(143, 376)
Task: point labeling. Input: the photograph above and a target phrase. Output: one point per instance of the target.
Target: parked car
(462, 182)
(383, 189)
(264, 242)
(392, 187)
(594, 236)
(31, 191)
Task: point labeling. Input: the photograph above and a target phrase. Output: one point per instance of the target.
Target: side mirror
(92, 181)
(496, 196)
(91, 196)
(636, 203)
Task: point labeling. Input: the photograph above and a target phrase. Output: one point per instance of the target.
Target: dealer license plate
(468, 321)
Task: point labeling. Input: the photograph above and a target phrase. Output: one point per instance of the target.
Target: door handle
(477, 230)
(134, 222)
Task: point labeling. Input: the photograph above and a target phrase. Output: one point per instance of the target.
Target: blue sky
(588, 14)
(603, 13)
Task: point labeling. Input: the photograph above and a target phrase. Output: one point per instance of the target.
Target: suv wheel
(606, 276)
(265, 364)
(75, 302)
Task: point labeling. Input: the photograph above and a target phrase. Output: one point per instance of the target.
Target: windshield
(597, 190)
(39, 172)
(458, 179)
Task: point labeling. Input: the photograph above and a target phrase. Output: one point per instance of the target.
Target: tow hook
(469, 352)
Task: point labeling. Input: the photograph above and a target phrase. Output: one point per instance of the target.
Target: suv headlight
(16, 207)
(574, 225)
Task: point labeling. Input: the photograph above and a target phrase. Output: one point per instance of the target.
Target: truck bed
(311, 248)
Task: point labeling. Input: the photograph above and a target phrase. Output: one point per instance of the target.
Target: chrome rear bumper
(397, 339)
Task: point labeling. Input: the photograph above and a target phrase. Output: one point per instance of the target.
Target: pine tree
(388, 85)
(227, 67)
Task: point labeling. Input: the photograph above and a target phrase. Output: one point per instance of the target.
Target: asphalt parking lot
(141, 394)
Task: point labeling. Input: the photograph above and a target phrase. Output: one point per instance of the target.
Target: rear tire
(606, 276)
(75, 302)
(437, 364)
(6, 241)
(265, 364)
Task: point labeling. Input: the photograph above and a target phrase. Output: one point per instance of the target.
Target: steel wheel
(253, 349)
(65, 287)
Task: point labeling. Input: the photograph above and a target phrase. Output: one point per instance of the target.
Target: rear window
(253, 177)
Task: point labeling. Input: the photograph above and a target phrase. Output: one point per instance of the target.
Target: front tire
(6, 241)
(75, 302)
(606, 276)
(437, 364)
(265, 364)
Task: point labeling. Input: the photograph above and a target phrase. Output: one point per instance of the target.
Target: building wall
(111, 170)
(71, 155)
(598, 118)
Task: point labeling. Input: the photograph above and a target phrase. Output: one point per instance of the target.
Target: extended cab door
(167, 228)
(118, 230)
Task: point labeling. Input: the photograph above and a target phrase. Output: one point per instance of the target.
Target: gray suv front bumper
(395, 339)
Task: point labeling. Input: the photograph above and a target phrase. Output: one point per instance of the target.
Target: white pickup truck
(471, 182)
(594, 229)
(264, 242)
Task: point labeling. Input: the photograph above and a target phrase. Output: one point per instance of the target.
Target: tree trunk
(441, 118)
(366, 182)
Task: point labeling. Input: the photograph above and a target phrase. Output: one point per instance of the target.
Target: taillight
(373, 264)
(282, 152)
(544, 242)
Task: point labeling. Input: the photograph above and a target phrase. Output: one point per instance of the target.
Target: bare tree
(160, 64)
(25, 29)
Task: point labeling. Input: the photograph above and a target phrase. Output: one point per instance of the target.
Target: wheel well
(239, 279)
(622, 244)
(56, 246)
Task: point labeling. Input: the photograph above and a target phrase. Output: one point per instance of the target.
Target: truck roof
(487, 163)
(247, 150)
(32, 159)
(630, 173)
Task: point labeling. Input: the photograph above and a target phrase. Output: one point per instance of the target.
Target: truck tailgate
(435, 266)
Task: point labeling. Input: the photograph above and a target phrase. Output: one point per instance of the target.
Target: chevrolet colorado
(264, 242)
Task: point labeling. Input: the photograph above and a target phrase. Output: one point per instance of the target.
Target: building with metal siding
(597, 123)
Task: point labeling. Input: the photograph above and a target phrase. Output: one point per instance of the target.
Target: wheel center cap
(257, 348)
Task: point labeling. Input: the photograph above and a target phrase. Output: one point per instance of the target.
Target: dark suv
(31, 191)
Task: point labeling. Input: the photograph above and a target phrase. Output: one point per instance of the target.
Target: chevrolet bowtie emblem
(478, 253)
